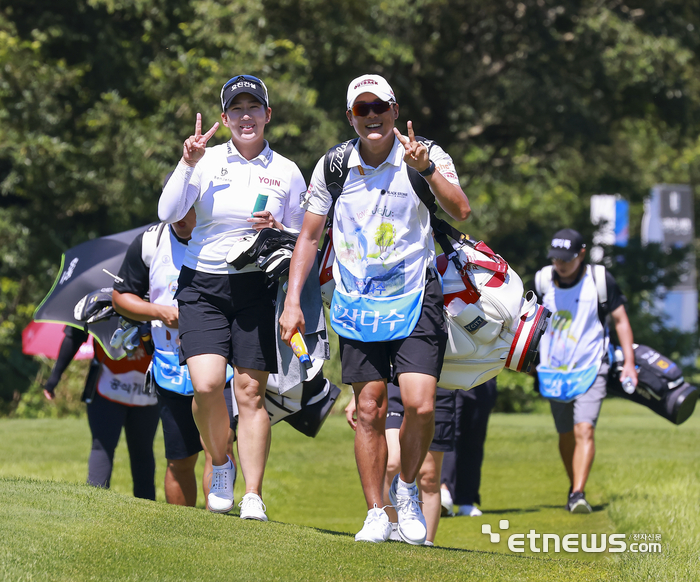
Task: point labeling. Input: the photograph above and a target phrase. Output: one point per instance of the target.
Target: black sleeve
(69, 347)
(615, 296)
(134, 273)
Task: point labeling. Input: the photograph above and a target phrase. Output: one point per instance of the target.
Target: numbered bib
(565, 386)
(375, 319)
(170, 375)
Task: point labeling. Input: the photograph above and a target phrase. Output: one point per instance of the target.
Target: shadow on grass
(446, 548)
(333, 533)
(535, 509)
(509, 510)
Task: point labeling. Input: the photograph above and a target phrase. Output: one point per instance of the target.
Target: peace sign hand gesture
(416, 154)
(195, 145)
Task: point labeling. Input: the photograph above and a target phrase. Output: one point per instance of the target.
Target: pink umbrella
(44, 339)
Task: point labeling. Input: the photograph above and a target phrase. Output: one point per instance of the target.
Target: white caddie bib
(382, 243)
(571, 350)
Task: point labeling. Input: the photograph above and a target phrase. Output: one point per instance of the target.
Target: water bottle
(300, 350)
(628, 385)
(260, 203)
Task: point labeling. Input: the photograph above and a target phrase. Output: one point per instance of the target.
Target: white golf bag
(490, 324)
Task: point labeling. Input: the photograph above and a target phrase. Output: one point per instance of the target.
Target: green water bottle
(260, 203)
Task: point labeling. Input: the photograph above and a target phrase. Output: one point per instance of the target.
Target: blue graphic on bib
(378, 281)
(170, 375)
(565, 386)
(375, 319)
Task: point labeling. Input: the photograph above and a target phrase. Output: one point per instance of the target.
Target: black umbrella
(84, 270)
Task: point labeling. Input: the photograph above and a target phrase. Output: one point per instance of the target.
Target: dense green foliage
(541, 103)
(645, 480)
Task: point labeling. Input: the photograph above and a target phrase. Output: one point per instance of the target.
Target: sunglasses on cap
(363, 109)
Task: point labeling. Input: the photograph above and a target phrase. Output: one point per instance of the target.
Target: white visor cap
(374, 84)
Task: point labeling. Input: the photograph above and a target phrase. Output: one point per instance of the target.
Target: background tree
(541, 103)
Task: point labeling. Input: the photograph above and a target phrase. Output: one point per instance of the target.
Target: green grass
(74, 532)
(646, 479)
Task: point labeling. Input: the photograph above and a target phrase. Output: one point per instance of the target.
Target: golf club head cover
(276, 263)
(95, 306)
(259, 247)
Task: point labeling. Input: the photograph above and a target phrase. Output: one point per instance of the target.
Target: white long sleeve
(178, 195)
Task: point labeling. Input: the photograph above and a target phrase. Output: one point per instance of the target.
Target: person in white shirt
(574, 364)
(226, 315)
(387, 305)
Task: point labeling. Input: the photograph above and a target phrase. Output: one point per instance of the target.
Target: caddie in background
(144, 292)
(388, 302)
(574, 364)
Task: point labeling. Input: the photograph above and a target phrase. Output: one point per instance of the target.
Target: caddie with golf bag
(387, 305)
(573, 369)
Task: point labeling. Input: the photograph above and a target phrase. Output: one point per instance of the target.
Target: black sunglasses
(363, 109)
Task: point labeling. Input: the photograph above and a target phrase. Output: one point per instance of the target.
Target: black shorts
(421, 352)
(229, 315)
(180, 432)
(233, 420)
(444, 437)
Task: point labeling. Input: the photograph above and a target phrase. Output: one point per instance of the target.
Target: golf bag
(661, 386)
(490, 324)
(305, 406)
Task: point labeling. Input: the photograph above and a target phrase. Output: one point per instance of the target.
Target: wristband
(429, 171)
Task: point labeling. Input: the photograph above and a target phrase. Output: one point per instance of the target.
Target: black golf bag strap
(335, 171)
(442, 229)
(598, 274)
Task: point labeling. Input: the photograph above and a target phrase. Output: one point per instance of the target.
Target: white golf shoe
(412, 528)
(220, 498)
(376, 528)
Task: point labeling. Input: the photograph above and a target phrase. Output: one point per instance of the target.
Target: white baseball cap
(370, 84)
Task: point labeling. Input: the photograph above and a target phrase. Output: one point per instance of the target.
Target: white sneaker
(429, 544)
(446, 504)
(469, 511)
(220, 498)
(376, 528)
(394, 535)
(252, 507)
(412, 528)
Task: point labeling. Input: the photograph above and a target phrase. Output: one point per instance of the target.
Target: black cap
(243, 84)
(566, 245)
